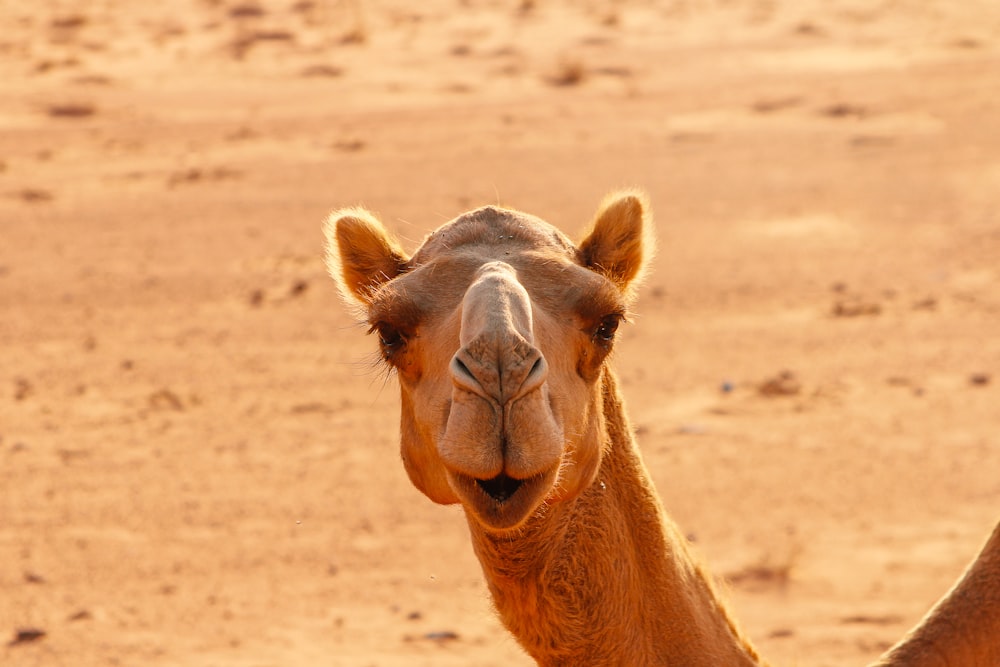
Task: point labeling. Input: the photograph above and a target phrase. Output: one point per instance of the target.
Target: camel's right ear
(360, 254)
(620, 241)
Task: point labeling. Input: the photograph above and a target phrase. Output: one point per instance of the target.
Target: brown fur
(499, 330)
(607, 579)
(963, 628)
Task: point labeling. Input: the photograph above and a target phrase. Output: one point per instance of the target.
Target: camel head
(498, 328)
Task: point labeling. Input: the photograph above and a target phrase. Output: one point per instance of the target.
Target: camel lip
(502, 502)
(501, 487)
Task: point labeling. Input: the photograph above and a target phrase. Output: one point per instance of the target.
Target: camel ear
(620, 242)
(360, 254)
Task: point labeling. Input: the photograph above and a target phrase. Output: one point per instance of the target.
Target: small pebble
(26, 635)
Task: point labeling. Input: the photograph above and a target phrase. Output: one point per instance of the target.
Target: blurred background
(199, 462)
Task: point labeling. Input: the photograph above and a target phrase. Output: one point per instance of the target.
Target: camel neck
(606, 578)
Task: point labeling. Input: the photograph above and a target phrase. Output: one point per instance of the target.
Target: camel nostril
(535, 377)
(501, 487)
(464, 377)
(539, 367)
(458, 367)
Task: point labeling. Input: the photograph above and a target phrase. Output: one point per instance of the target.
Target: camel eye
(605, 331)
(389, 337)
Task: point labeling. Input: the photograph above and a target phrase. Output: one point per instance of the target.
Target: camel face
(498, 328)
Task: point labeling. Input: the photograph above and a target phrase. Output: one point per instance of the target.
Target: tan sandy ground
(198, 465)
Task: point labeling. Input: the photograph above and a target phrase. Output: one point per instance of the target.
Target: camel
(499, 330)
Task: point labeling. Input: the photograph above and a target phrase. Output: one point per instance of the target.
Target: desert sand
(198, 458)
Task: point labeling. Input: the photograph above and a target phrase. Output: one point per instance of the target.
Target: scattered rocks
(807, 29)
(784, 383)
(196, 174)
(349, 145)
(68, 456)
(357, 35)
(247, 10)
(93, 80)
(71, 22)
(844, 110)
(764, 574)
(33, 195)
(871, 619)
(33, 578)
(26, 636)
(164, 399)
(979, 379)
(871, 141)
(855, 306)
(322, 71)
(23, 389)
(244, 43)
(242, 134)
(71, 110)
(297, 289)
(303, 6)
(49, 65)
(568, 72)
(965, 43)
(770, 105)
(273, 36)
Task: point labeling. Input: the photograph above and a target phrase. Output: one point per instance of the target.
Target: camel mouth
(501, 487)
(502, 502)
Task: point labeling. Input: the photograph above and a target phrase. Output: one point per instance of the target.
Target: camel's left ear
(360, 254)
(620, 242)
